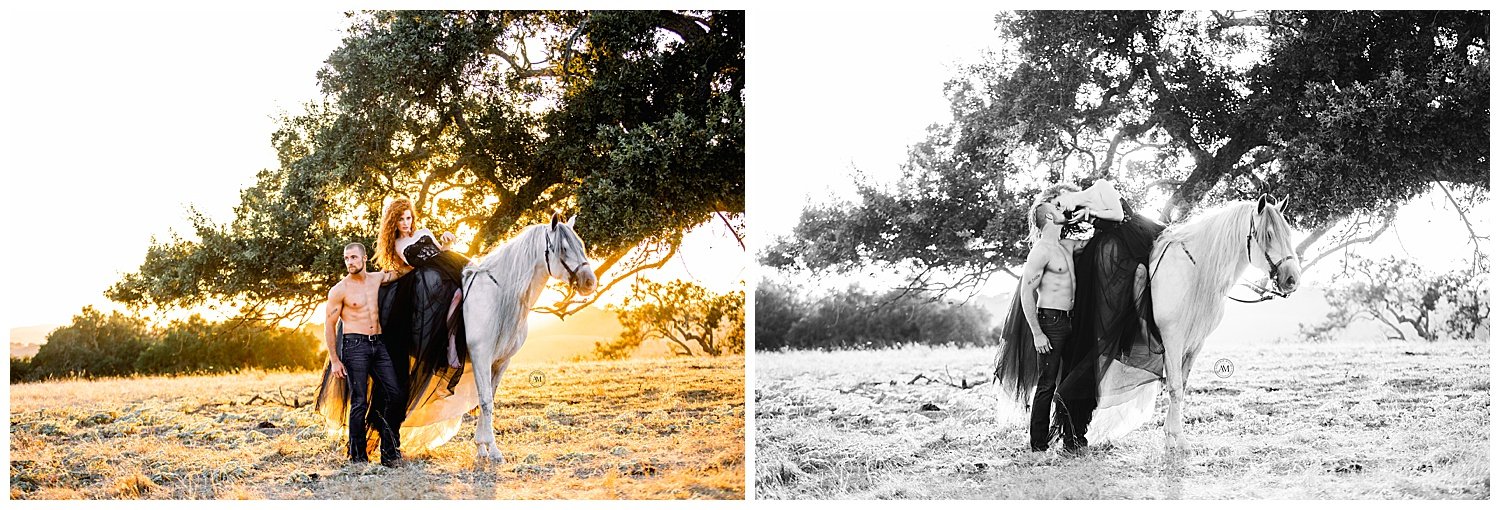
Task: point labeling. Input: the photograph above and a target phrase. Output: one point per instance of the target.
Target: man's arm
(1031, 280)
(330, 328)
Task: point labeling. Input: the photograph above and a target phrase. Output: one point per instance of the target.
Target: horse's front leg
(484, 433)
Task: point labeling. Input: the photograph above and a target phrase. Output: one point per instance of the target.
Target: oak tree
(489, 121)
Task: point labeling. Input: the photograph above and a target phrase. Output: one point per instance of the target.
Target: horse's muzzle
(586, 282)
(1289, 277)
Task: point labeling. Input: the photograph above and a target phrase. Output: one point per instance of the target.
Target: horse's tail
(1016, 365)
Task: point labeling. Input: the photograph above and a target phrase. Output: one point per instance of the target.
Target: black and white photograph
(1122, 255)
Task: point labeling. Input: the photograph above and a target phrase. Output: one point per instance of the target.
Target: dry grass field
(1351, 420)
(638, 429)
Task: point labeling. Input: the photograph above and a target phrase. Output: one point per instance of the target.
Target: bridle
(1274, 270)
(1262, 292)
(572, 271)
(547, 255)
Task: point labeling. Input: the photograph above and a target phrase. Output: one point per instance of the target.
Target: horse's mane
(1216, 241)
(513, 265)
(517, 254)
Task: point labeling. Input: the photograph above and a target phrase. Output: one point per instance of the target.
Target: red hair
(390, 229)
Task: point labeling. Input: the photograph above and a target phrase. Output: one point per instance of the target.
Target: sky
(120, 122)
(855, 94)
(838, 90)
(115, 126)
(858, 96)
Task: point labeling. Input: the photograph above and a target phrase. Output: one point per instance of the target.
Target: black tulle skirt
(414, 326)
(1016, 366)
(423, 301)
(1110, 364)
(1112, 361)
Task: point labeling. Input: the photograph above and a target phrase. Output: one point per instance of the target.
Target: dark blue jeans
(1057, 325)
(365, 358)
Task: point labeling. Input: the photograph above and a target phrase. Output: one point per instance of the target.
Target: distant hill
(25, 340)
(551, 339)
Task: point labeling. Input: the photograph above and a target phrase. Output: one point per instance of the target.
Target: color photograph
(377, 254)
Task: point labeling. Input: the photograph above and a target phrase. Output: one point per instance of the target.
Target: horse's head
(566, 259)
(1273, 240)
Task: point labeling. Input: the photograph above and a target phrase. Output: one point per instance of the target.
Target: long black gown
(1114, 367)
(414, 326)
(1110, 367)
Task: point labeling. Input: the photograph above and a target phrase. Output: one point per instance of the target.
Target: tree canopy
(1400, 295)
(489, 121)
(687, 317)
(99, 345)
(1351, 114)
(853, 318)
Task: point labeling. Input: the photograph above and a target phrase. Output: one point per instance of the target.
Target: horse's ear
(555, 218)
(1260, 206)
(572, 220)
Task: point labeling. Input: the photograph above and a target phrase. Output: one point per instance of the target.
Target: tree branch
(1389, 217)
(566, 306)
(732, 232)
(691, 30)
(1474, 237)
(521, 71)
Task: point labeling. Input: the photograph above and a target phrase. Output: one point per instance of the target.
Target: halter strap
(1272, 269)
(572, 271)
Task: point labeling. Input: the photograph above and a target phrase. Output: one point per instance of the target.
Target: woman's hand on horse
(448, 238)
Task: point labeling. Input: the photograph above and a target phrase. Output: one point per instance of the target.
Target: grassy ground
(633, 429)
(1292, 421)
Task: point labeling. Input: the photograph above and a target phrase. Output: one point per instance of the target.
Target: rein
(1275, 268)
(572, 271)
(547, 255)
(1264, 293)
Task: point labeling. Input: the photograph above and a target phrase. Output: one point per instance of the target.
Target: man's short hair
(362, 250)
(1046, 196)
(1039, 215)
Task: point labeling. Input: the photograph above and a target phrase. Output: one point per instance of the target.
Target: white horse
(1193, 265)
(499, 293)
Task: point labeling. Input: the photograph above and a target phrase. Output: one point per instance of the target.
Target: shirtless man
(355, 301)
(1047, 302)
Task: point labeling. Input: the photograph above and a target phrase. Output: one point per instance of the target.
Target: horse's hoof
(1176, 445)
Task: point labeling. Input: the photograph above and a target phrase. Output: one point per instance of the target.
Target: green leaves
(489, 121)
(689, 318)
(98, 345)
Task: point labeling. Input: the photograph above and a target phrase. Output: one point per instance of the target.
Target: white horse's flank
(1193, 266)
(499, 293)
